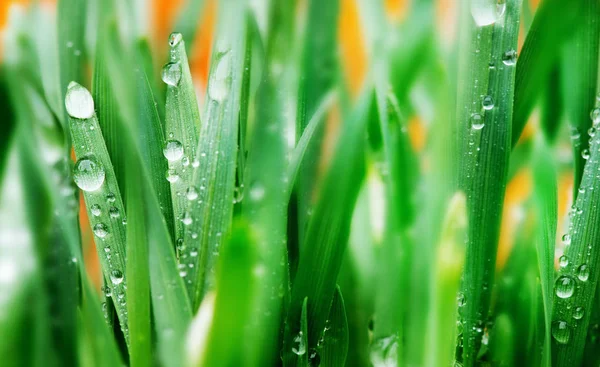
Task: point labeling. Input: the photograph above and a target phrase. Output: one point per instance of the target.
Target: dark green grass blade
(217, 150)
(545, 199)
(318, 75)
(152, 137)
(334, 349)
(591, 356)
(575, 288)
(187, 21)
(182, 120)
(579, 72)
(235, 286)
(484, 155)
(322, 252)
(552, 105)
(8, 120)
(554, 22)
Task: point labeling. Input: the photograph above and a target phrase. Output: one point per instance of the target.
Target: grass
(268, 212)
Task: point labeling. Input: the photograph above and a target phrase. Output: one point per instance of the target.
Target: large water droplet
(171, 73)
(384, 352)
(173, 150)
(487, 103)
(561, 332)
(116, 277)
(300, 348)
(101, 230)
(220, 81)
(175, 39)
(79, 102)
(509, 58)
(477, 122)
(578, 313)
(88, 173)
(583, 272)
(565, 286)
(486, 12)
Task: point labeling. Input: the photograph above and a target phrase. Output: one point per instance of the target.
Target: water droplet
(565, 286)
(257, 193)
(301, 347)
(191, 193)
(107, 291)
(116, 277)
(578, 313)
(196, 163)
(384, 352)
(95, 210)
(107, 249)
(101, 230)
(486, 12)
(175, 39)
(172, 176)
(592, 131)
(193, 252)
(187, 219)
(477, 122)
(561, 332)
(487, 103)
(88, 173)
(173, 150)
(220, 81)
(79, 102)
(171, 73)
(110, 198)
(566, 238)
(114, 212)
(595, 115)
(185, 161)
(461, 300)
(583, 272)
(585, 154)
(509, 58)
(238, 194)
(563, 261)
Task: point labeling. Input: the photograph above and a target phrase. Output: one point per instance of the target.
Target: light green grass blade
(322, 252)
(182, 121)
(579, 72)
(484, 121)
(553, 24)
(214, 177)
(236, 280)
(575, 287)
(334, 348)
(545, 199)
(94, 175)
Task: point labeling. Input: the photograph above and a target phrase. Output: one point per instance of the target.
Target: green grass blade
(8, 120)
(322, 252)
(235, 287)
(575, 287)
(545, 199)
(181, 124)
(553, 24)
(94, 175)
(484, 121)
(187, 22)
(217, 150)
(334, 349)
(579, 72)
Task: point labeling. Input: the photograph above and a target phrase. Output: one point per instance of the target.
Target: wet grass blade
(484, 120)
(94, 175)
(322, 252)
(182, 120)
(545, 199)
(214, 177)
(334, 349)
(553, 24)
(579, 72)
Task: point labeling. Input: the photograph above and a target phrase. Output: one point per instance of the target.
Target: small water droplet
(592, 131)
(563, 261)
(95, 210)
(238, 194)
(583, 272)
(384, 351)
(171, 73)
(187, 219)
(565, 286)
(114, 212)
(578, 313)
(487, 103)
(116, 277)
(79, 102)
(566, 238)
(595, 115)
(101, 230)
(110, 198)
(461, 300)
(175, 39)
(172, 176)
(185, 161)
(173, 150)
(193, 252)
(257, 192)
(585, 154)
(191, 193)
(300, 349)
(88, 173)
(477, 122)
(107, 291)
(509, 58)
(561, 332)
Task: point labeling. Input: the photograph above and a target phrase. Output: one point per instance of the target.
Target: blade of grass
(545, 199)
(484, 117)
(187, 21)
(217, 150)
(334, 348)
(327, 234)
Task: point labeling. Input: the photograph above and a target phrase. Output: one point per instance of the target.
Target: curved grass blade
(484, 121)
(182, 119)
(545, 199)
(235, 288)
(334, 348)
(579, 72)
(95, 176)
(214, 177)
(553, 24)
(327, 234)
(575, 287)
